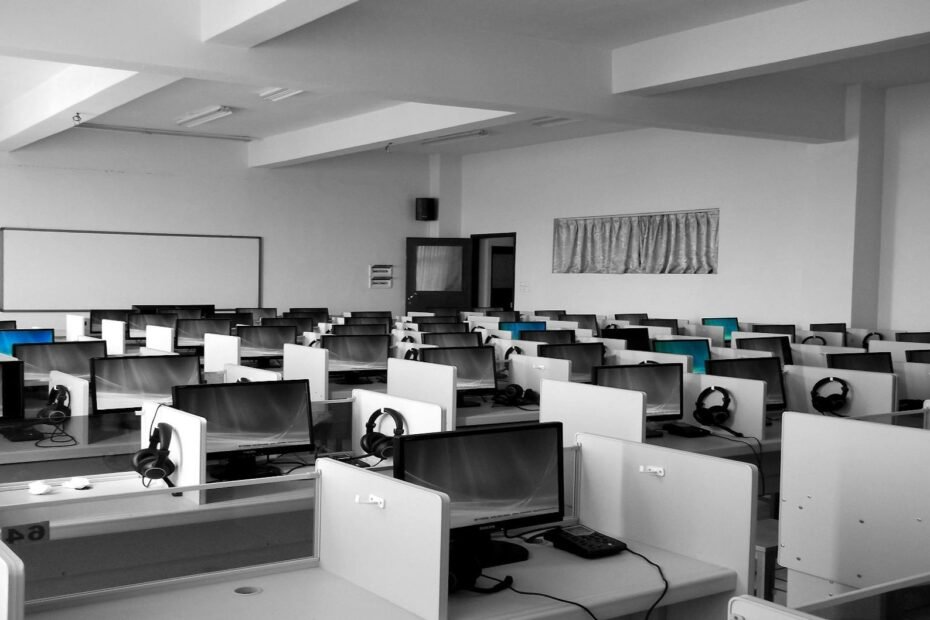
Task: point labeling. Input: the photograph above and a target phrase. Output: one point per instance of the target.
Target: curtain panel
(674, 242)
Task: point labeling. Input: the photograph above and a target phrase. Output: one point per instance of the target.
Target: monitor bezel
(427, 352)
(643, 367)
(885, 356)
(361, 372)
(756, 360)
(786, 357)
(542, 349)
(74, 344)
(94, 410)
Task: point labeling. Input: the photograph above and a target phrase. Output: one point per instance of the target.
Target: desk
(99, 435)
(489, 412)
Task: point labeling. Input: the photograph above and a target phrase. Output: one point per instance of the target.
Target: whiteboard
(71, 270)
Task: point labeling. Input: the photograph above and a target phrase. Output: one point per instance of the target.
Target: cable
(757, 455)
(664, 581)
(59, 437)
(549, 596)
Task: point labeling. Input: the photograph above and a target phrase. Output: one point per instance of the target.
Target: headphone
(489, 338)
(408, 339)
(715, 415)
(153, 463)
(511, 351)
(831, 403)
(58, 406)
(869, 336)
(822, 340)
(316, 343)
(412, 354)
(378, 444)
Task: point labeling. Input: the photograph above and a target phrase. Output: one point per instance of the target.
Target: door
(438, 273)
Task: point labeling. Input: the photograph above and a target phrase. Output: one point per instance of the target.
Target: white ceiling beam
(247, 23)
(789, 37)
(401, 122)
(49, 108)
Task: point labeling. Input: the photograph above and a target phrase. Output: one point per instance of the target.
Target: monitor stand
(351, 377)
(654, 429)
(241, 467)
(486, 551)
(461, 400)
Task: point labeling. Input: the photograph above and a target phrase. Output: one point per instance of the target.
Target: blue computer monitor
(10, 337)
(729, 324)
(698, 349)
(516, 327)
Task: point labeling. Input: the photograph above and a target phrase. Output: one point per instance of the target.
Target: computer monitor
(369, 320)
(585, 321)
(509, 316)
(516, 328)
(12, 403)
(778, 346)
(426, 320)
(120, 384)
(637, 338)
(308, 309)
(444, 327)
(766, 369)
(634, 318)
(839, 328)
(245, 420)
(922, 337)
(96, 316)
(672, 324)
(662, 384)
(476, 372)
(265, 340)
(921, 356)
(773, 328)
(550, 314)
(300, 324)
(235, 318)
(258, 314)
(7, 324)
(729, 324)
(452, 339)
(386, 314)
(138, 322)
(698, 349)
(189, 332)
(357, 357)
(316, 318)
(354, 330)
(584, 356)
(184, 311)
(10, 337)
(548, 336)
(72, 358)
(496, 477)
(869, 362)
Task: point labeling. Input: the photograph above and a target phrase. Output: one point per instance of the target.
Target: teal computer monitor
(698, 349)
(729, 325)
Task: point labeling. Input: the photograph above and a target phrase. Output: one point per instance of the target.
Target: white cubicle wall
(424, 382)
(219, 350)
(528, 371)
(896, 349)
(310, 363)
(114, 333)
(234, 373)
(593, 409)
(869, 392)
(417, 416)
(747, 401)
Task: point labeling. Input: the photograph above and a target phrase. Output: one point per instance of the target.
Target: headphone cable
(549, 596)
(757, 455)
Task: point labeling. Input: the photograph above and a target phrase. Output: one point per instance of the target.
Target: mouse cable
(549, 596)
(664, 581)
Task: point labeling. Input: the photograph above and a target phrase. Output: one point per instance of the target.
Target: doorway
(493, 271)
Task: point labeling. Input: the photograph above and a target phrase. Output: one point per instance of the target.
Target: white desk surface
(610, 587)
(12, 452)
(724, 448)
(492, 413)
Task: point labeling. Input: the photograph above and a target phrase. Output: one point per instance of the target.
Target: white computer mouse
(77, 483)
(39, 487)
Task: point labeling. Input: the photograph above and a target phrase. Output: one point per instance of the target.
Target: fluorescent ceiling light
(204, 116)
(277, 94)
(462, 135)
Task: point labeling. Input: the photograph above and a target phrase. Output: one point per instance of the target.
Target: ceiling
(391, 74)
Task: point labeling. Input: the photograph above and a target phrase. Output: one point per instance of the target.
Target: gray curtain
(675, 242)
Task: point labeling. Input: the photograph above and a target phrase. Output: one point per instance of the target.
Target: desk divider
(596, 409)
(232, 373)
(306, 338)
(855, 335)
(815, 354)
(714, 332)
(656, 331)
(219, 350)
(502, 345)
(419, 417)
(556, 324)
(747, 607)
(399, 334)
(629, 356)
(897, 349)
(426, 383)
(308, 363)
(529, 372)
(188, 448)
(612, 348)
(833, 339)
(114, 333)
(373, 545)
(747, 402)
(691, 504)
(853, 508)
(869, 392)
(158, 337)
(913, 380)
(78, 391)
(487, 322)
(729, 353)
(151, 351)
(12, 585)
(74, 327)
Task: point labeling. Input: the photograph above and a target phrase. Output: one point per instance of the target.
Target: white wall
(786, 220)
(904, 295)
(322, 223)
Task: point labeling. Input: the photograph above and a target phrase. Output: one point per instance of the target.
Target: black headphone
(869, 336)
(831, 403)
(715, 415)
(153, 463)
(58, 406)
(408, 339)
(316, 343)
(412, 354)
(378, 444)
(823, 341)
(489, 338)
(511, 351)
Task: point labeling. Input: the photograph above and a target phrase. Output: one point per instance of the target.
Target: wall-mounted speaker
(427, 209)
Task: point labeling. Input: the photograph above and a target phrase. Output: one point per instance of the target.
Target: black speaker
(427, 209)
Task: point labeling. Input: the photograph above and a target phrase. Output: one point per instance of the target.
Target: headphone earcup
(142, 459)
(513, 392)
(834, 402)
(383, 447)
(718, 414)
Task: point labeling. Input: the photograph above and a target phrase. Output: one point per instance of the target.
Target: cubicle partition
(869, 392)
(595, 409)
(424, 382)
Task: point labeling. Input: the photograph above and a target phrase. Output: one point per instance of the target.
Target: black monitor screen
(358, 330)
(190, 331)
(516, 328)
(584, 356)
(12, 406)
(729, 324)
(475, 366)
(96, 316)
(426, 320)
(359, 354)
(922, 337)
(698, 349)
(314, 310)
(138, 322)
(10, 337)
(766, 369)
(637, 338)
(452, 339)
(262, 417)
(828, 327)
(72, 358)
(183, 313)
(8, 324)
(444, 327)
(778, 346)
(495, 477)
(633, 317)
(387, 322)
(770, 328)
(672, 324)
(549, 336)
(236, 318)
(585, 321)
(662, 384)
(315, 317)
(302, 324)
(870, 362)
(371, 314)
(509, 316)
(549, 314)
(921, 356)
(258, 314)
(124, 383)
(265, 339)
